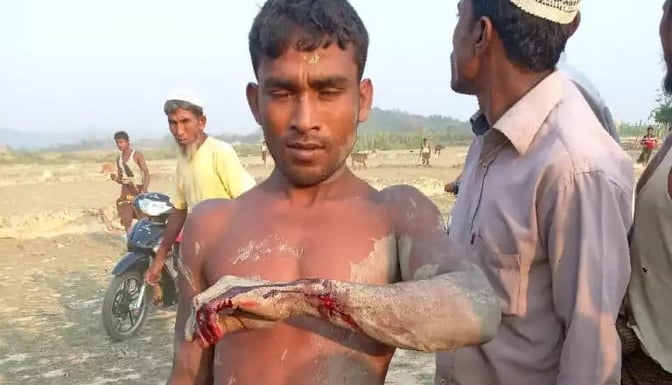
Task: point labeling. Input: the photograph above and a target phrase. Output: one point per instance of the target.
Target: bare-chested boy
(313, 277)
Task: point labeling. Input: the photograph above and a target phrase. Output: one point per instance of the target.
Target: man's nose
(179, 129)
(305, 115)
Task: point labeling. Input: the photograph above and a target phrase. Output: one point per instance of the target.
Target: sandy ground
(60, 237)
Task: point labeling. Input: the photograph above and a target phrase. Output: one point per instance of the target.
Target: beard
(187, 150)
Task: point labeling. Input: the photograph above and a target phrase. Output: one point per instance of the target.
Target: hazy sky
(74, 65)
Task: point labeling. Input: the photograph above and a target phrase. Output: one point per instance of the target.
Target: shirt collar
(522, 121)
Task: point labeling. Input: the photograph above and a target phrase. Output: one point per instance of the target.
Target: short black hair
(121, 135)
(309, 25)
(531, 42)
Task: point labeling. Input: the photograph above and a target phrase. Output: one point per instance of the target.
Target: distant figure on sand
(425, 152)
(264, 152)
(133, 176)
(648, 142)
(359, 158)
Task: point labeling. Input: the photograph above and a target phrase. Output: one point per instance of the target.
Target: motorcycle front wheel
(121, 319)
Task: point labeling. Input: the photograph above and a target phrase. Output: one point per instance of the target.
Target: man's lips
(304, 151)
(307, 146)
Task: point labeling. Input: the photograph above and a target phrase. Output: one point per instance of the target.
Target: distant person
(545, 202)
(425, 152)
(206, 168)
(264, 152)
(646, 323)
(648, 142)
(133, 176)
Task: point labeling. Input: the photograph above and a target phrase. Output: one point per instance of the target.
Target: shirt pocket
(508, 274)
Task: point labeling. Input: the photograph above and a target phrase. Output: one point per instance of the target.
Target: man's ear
(365, 100)
(575, 24)
(483, 34)
(203, 120)
(252, 93)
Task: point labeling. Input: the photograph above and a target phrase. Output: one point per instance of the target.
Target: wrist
(315, 292)
(160, 255)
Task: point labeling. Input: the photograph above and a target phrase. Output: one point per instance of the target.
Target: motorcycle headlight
(153, 208)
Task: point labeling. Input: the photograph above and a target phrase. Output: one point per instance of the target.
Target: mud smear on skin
(379, 259)
(269, 245)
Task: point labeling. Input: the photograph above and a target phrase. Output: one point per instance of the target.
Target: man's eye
(281, 94)
(329, 93)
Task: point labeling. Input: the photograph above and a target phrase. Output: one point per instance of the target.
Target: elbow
(473, 328)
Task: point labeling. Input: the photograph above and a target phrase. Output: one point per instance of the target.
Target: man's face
(186, 127)
(665, 30)
(122, 144)
(463, 60)
(309, 105)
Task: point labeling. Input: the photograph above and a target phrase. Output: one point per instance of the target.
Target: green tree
(662, 114)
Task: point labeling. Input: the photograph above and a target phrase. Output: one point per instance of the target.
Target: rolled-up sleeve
(589, 217)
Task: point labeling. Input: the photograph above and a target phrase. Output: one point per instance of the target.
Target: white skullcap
(186, 96)
(557, 11)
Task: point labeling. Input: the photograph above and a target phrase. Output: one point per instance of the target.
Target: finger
(201, 340)
(202, 323)
(215, 329)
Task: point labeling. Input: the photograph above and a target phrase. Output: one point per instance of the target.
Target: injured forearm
(445, 312)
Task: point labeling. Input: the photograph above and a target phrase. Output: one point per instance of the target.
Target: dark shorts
(637, 367)
(645, 155)
(125, 208)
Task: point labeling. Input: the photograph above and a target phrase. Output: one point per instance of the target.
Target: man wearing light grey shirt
(544, 206)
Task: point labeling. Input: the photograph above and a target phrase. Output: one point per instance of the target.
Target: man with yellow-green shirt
(206, 168)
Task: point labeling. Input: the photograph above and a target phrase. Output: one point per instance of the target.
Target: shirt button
(443, 381)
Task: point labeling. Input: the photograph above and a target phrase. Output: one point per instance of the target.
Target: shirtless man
(133, 176)
(284, 296)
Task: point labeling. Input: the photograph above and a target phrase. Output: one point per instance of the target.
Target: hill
(384, 129)
(403, 122)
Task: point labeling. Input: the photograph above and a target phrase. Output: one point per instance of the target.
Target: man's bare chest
(347, 248)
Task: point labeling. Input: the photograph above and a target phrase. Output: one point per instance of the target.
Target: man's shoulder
(577, 143)
(219, 145)
(211, 211)
(398, 193)
(406, 202)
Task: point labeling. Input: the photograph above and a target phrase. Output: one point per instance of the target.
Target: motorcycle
(128, 295)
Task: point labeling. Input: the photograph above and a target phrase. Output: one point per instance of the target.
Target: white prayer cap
(557, 11)
(186, 96)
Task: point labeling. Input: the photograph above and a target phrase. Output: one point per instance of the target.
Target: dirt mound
(51, 224)
(428, 186)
